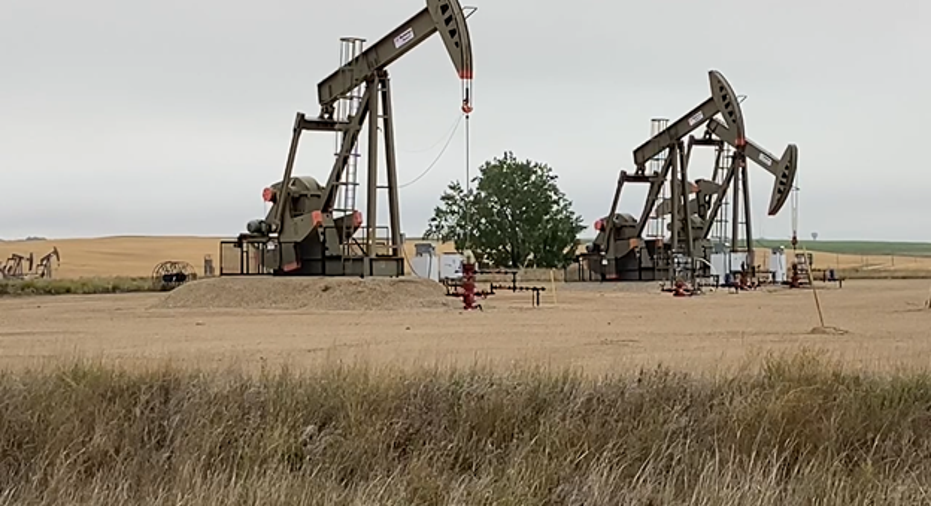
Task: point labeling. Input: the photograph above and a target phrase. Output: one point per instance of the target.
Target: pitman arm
(783, 169)
(723, 100)
(444, 16)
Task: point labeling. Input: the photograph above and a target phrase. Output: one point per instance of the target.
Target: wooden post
(553, 283)
(814, 292)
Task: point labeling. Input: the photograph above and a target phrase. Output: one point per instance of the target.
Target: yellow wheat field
(138, 256)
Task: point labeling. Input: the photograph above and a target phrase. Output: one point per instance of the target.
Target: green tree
(515, 215)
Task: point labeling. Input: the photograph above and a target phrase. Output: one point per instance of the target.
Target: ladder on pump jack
(347, 107)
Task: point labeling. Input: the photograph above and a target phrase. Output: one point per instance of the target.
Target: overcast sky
(169, 117)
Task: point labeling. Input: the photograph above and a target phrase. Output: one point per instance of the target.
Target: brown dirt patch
(327, 294)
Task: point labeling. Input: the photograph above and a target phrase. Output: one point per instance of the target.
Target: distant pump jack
(619, 251)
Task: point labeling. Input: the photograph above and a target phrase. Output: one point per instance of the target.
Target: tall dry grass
(796, 431)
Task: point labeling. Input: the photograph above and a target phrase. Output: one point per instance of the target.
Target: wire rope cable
(467, 110)
(449, 132)
(430, 167)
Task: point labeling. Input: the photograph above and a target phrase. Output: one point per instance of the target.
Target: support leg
(283, 200)
(608, 246)
(745, 180)
(650, 203)
(686, 214)
(350, 139)
(372, 197)
(735, 202)
(719, 200)
(675, 190)
(391, 165)
(718, 152)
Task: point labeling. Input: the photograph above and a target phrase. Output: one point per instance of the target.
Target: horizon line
(409, 238)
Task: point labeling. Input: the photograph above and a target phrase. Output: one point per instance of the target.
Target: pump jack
(710, 195)
(13, 267)
(619, 252)
(304, 233)
(44, 265)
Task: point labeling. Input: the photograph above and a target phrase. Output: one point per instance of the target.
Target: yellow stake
(553, 282)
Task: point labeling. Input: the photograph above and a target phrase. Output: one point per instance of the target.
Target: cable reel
(171, 274)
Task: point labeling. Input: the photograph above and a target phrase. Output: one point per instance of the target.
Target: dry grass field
(136, 256)
(129, 256)
(117, 256)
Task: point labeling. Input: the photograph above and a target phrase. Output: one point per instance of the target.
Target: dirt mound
(328, 294)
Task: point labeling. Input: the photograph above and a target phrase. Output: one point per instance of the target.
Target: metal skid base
(637, 265)
(249, 258)
(352, 266)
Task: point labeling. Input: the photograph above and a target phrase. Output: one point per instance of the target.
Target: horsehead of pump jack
(443, 16)
(723, 100)
(783, 169)
(305, 232)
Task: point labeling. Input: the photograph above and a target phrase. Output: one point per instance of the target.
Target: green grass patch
(797, 430)
(77, 286)
(881, 274)
(868, 248)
